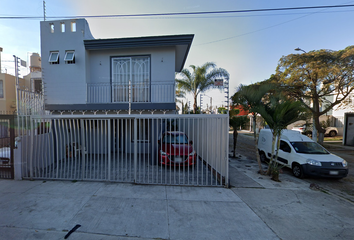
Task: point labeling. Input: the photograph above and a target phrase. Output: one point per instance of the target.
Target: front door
(131, 73)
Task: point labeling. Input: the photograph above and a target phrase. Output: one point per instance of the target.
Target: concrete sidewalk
(48, 210)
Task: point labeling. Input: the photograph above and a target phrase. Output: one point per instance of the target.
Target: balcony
(155, 92)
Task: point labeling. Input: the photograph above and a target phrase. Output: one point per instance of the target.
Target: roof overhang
(182, 44)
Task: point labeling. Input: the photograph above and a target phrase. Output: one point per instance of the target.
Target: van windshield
(309, 148)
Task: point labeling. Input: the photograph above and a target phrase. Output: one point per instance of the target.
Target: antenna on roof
(44, 10)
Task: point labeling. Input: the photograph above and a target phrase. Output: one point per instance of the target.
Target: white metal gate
(126, 148)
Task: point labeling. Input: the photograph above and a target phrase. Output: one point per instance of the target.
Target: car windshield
(309, 148)
(180, 139)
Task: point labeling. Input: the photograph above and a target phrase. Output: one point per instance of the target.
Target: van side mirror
(191, 142)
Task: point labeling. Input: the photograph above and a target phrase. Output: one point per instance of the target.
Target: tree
(316, 76)
(279, 112)
(236, 122)
(249, 97)
(200, 79)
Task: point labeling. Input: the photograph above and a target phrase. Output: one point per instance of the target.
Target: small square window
(54, 58)
(73, 26)
(62, 25)
(51, 27)
(69, 57)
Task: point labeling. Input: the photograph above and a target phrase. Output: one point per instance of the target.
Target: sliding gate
(146, 149)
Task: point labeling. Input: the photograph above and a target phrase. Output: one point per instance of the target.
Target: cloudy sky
(247, 45)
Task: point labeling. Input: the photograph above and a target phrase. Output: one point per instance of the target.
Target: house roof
(181, 42)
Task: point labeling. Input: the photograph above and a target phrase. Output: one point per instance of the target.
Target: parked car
(175, 149)
(302, 155)
(306, 129)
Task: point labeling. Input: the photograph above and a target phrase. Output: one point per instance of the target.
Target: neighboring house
(86, 74)
(34, 78)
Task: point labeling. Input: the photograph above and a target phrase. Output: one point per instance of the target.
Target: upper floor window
(62, 26)
(69, 57)
(51, 27)
(54, 58)
(1, 89)
(73, 26)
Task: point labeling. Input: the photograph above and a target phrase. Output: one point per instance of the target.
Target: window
(37, 85)
(51, 27)
(73, 26)
(69, 57)
(62, 26)
(54, 58)
(136, 69)
(1, 89)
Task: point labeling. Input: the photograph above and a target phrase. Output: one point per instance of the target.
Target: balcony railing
(156, 92)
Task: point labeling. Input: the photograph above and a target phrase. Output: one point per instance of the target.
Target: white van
(302, 155)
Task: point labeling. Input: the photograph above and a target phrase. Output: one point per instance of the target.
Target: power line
(182, 13)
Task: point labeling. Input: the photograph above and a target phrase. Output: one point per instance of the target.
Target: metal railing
(140, 92)
(126, 148)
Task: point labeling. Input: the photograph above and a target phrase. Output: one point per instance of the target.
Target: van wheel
(263, 157)
(332, 133)
(297, 170)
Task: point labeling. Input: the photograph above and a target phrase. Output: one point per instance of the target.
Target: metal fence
(146, 149)
(7, 144)
(140, 92)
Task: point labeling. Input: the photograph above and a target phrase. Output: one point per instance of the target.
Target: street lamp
(299, 49)
(314, 130)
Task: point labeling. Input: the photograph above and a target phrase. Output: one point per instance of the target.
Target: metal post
(130, 97)
(135, 149)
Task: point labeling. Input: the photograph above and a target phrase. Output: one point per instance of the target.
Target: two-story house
(120, 74)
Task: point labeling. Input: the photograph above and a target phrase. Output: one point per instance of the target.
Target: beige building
(31, 82)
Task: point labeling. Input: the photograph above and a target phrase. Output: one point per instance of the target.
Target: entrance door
(133, 73)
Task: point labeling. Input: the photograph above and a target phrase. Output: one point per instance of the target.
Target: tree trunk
(256, 145)
(195, 104)
(235, 134)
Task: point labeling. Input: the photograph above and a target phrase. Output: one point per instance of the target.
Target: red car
(174, 149)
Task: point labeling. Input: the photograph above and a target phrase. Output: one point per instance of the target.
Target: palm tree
(200, 80)
(250, 97)
(279, 112)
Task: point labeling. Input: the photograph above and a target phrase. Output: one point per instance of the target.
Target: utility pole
(44, 11)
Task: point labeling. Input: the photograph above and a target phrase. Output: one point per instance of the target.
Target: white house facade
(81, 73)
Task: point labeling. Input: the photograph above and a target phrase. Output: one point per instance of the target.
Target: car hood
(177, 149)
(322, 157)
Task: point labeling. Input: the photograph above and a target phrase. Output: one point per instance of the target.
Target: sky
(247, 45)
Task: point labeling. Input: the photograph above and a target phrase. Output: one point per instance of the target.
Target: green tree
(249, 97)
(200, 79)
(236, 122)
(279, 112)
(222, 110)
(316, 76)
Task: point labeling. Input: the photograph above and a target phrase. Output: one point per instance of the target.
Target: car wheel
(298, 170)
(332, 133)
(263, 157)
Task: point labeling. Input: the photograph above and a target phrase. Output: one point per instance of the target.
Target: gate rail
(125, 148)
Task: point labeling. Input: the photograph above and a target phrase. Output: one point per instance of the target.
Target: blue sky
(247, 45)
